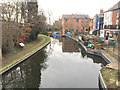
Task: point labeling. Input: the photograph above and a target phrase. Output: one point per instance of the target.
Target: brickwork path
(114, 63)
(6, 60)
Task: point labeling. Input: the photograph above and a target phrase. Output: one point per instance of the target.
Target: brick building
(75, 23)
(91, 24)
(112, 19)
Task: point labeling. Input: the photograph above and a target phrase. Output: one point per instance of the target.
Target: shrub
(99, 40)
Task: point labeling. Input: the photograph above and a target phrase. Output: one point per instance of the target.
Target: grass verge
(110, 77)
(40, 36)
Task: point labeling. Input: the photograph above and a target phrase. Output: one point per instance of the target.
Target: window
(94, 19)
(118, 13)
(77, 20)
(117, 22)
(76, 30)
(81, 20)
(65, 20)
(86, 20)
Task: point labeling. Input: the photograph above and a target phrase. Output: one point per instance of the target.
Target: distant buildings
(98, 22)
(107, 22)
(112, 19)
(75, 23)
(57, 25)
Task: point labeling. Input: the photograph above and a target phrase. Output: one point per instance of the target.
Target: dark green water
(61, 64)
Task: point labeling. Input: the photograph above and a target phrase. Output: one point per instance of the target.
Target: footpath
(110, 72)
(7, 62)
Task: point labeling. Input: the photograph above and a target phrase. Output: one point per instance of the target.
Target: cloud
(60, 7)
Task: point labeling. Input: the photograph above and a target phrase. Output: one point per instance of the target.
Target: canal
(61, 64)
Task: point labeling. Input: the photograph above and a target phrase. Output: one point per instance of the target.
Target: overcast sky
(60, 7)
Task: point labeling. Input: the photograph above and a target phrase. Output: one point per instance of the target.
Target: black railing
(112, 27)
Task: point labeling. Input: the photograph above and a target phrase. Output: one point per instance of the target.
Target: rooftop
(116, 6)
(75, 16)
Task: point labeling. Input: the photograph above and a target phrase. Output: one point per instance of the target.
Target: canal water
(61, 64)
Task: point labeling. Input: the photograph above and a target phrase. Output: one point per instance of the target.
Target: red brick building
(112, 19)
(94, 22)
(75, 23)
(91, 24)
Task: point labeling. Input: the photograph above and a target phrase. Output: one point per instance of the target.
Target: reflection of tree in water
(27, 74)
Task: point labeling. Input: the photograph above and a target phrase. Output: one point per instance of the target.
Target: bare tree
(16, 17)
(11, 25)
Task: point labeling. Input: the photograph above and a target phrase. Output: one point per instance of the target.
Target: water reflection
(27, 74)
(69, 46)
(62, 64)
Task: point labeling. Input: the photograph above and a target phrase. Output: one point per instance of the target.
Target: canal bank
(103, 82)
(63, 62)
(26, 54)
(109, 73)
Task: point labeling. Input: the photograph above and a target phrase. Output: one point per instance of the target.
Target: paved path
(6, 60)
(114, 63)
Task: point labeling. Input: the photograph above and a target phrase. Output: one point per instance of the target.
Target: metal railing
(112, 27)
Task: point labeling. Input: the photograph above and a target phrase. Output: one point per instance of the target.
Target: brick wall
(91, 24)
(94, 22)
(114, 17)
(75, 24)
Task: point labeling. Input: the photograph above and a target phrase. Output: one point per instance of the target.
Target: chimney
(101, 11)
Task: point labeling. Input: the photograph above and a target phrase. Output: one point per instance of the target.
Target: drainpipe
(0, 48)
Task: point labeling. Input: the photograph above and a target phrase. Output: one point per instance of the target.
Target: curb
(23, 59)
(97, 53)
(102, 83)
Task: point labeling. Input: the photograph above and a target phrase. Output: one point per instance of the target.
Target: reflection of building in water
(27, 74)
(69, 46)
